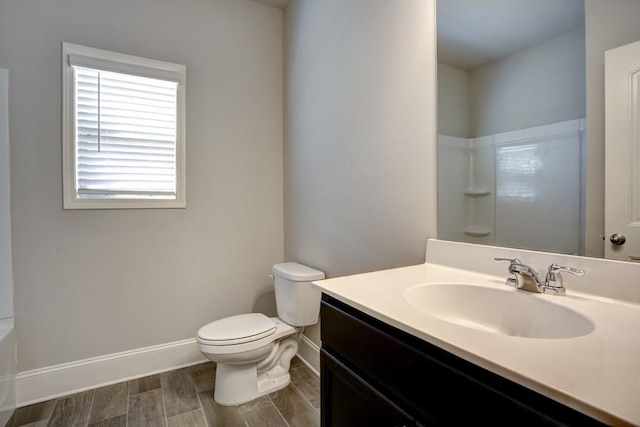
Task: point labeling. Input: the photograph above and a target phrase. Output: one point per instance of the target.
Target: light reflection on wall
(517, 167)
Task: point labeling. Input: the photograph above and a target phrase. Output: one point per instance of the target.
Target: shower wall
(453, 179)
(538, 188)
(517, 189)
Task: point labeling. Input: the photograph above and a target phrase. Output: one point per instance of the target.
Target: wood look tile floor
(181, 398)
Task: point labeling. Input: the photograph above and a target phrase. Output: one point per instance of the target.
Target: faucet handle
(511, 278)
(553, 281)
(510, 260)
(556, 269)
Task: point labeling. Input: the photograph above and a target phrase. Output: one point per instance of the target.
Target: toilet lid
(237, 329)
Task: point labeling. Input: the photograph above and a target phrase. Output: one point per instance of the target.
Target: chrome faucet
(553, 280)
(523, 277)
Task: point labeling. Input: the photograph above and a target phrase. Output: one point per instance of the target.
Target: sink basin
(505, 311)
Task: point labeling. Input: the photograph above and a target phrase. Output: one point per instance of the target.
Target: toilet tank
(297, 301)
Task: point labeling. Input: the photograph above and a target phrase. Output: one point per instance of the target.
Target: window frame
(127, 64)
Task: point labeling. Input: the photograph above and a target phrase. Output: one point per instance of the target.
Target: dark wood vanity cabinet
(373, 374)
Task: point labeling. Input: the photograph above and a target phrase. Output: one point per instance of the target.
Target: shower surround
(522, 188)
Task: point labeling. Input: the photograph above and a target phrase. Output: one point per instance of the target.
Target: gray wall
(359, 158)
(96, 282)
(609, 24)
(453, 101)
(6, 278)
(540, 85)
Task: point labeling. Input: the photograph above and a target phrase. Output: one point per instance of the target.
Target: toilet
(253, 352)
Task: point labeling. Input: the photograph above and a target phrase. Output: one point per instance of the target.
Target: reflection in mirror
(511, 120)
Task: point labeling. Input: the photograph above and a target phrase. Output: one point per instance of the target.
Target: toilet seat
(282, 329)
(240, 329)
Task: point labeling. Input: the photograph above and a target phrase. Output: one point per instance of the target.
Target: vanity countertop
(597, 373)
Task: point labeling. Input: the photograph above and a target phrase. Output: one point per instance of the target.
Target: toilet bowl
(253, 352)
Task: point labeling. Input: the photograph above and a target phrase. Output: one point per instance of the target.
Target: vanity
(448, 342)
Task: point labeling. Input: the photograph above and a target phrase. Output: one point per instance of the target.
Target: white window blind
(125, 134)
(123, 129)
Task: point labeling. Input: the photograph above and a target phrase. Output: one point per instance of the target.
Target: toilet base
(238, 384)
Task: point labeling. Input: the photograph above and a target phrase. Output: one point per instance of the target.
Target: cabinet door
(349, 401)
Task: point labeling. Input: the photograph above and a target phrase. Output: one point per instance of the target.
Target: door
(622, 153)
(348, 400)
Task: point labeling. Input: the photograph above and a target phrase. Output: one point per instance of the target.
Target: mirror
(507, 203)
(512, 123)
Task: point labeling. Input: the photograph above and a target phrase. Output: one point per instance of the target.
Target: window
(123, 131)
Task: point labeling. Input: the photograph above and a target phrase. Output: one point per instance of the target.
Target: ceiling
(472, 33)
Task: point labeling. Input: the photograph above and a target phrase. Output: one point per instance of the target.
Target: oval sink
(503, 311)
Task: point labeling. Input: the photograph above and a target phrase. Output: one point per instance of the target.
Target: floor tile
(254, 405)
(179, 392)
(295, 409)
(119, 421)
(109, 402)
(261, 412)
(144, 384)
(264, 416)
(218, 415)
(42, 423)
(32, 414)
(72, 411)
(307, 383)
(204, 376)
(146, 409)
(193, 418)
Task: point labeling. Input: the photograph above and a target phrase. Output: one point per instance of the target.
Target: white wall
(453, 101)
(540, 85)
(360, 166)
(609, 24)
(96, 282)
(6, 276)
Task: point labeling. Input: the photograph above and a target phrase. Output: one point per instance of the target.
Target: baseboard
(309, 353)
(52, 382)
(56, 381)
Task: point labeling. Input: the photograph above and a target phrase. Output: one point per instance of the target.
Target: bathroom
(310, 137)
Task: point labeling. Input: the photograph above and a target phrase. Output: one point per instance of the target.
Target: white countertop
(597, 374)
